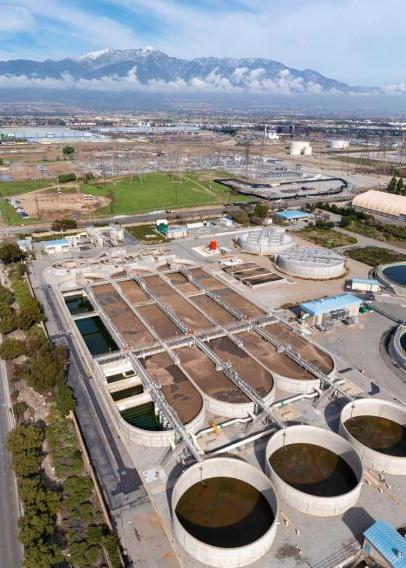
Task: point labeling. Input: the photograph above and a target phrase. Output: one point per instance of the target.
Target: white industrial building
(381, 203)
(113, 235)
(340, 144)
(300, 148)
(270, 240)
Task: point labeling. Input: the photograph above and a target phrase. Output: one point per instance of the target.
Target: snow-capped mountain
(152, 70)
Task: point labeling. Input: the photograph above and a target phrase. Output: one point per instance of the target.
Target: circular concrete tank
(224, 512)
(397, 346)
(314, 470)
(394, 276)
(267, 241)
(377, 430)
(311, 263)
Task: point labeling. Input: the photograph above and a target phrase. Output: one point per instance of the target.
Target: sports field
(156, 191)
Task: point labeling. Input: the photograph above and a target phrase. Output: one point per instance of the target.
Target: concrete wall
(310, 504)
(212, 555)
(400, 290)
(371, 458)
(294, 267)
(395, 348)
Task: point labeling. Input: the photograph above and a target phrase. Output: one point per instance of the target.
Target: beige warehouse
(381, 203)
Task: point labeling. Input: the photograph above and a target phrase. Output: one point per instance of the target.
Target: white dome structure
(270, 240)
(311, 263)
(381, 203)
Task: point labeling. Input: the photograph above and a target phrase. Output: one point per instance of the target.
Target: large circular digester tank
(314, 470)
(270, 240)
(311, 263)
(377, 430)
(224, 512)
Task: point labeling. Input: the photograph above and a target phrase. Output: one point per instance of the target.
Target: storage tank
(311, 263)
(270, 240)
(377, 430)
(340, 144)
(314, 470)
(300, 148)
(224, 512)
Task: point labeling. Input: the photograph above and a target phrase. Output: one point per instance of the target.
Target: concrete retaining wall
(212, 555)
(371, 458)
(395, 348)
(311, 504)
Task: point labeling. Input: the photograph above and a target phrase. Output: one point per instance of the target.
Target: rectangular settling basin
(96, 336)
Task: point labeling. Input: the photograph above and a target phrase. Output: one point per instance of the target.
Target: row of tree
(60, 523)
(255, 215)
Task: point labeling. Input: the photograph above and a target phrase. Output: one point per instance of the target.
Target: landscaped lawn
(328, 238)
(374, 256)
(8, 188)
(146, 234)
(158, 191)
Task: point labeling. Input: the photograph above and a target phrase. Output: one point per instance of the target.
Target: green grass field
(155, 191)
(8, 188)
(9, 216)
(328, 238)
(146, 234)
(374, 256)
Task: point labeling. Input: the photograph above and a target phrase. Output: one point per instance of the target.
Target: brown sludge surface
(268, 355)
(184, 309)
(249, 370)
(203, 372)
(156, 318)
(307, 350)
(206, 279)
(182, 283)
(213, 310)
(133, 292)
(176, 387)
(131, 329)
(249, 309)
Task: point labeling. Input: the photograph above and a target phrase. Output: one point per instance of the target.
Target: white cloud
(15, 19)
(245, 81)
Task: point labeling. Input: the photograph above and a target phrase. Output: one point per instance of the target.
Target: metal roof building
(332, 308)
(293, 215)
(381, 203)
(385, 545)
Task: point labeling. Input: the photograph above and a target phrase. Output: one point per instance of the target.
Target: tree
(260, 210)
(33, 527)
(65, 401)
(11, 252)
(400, 186)
(392, 185)
(65, 178)
(68, 151)
(42, 555)
(64, 224)
(12, 348)
(240, 216)
(19, 408)
(25, 438)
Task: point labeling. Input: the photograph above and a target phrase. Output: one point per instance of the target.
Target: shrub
(64, 224)
(65, 178)
(12, 348)
(11, 252)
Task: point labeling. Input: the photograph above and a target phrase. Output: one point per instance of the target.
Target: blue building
(385, 545)
(330, 309)
(293, 216)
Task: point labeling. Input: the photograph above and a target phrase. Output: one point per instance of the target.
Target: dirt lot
(53, 205)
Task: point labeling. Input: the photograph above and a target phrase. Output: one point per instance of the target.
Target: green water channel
(125, 393)
(142, 416)
(96, 335)
(313, 470)
(224, 512)
(78, 305)
(379, 434)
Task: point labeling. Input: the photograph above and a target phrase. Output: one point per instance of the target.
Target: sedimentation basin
(224, 512)
(314, 470)
(377, 430)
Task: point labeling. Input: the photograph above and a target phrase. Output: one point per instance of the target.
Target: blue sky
(358, 41)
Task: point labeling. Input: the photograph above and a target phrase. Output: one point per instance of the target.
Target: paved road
(368, 242)
(137, 523)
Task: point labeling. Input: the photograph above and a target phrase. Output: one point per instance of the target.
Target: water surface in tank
(224, 512)
(313, 469)
(78, 304)
(379, 434)
(397, 274)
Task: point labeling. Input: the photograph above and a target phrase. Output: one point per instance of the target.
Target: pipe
(277, 404)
